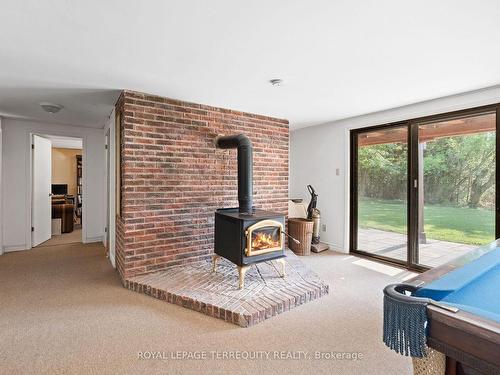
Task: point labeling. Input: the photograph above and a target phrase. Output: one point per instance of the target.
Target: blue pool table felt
(474, 288)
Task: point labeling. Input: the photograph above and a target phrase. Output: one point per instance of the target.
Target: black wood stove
(244, 235)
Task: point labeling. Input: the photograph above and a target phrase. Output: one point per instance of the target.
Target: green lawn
(462, 225)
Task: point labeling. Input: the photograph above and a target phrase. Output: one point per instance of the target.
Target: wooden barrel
(302, 230)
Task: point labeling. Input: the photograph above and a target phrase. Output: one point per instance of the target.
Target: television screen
(59, 189)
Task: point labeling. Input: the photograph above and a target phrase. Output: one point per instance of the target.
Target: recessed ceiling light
(51, 107)
(276, 81)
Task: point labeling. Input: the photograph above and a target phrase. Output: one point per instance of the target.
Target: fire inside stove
(262, 240)
(263, 237)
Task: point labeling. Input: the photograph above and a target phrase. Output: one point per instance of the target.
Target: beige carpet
(63, 310)
(63, 239)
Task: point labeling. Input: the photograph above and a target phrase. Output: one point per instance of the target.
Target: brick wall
(173, 177)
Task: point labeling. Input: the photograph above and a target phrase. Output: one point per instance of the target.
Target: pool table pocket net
(405, 320)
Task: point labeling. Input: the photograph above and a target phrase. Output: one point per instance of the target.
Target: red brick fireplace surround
(173, 178)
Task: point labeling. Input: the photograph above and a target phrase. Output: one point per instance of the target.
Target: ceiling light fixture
(51, 107)
(276, 81)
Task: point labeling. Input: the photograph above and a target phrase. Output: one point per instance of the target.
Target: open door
(108, 165)
(41, 201)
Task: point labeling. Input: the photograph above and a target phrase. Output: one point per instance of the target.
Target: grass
(473, 226)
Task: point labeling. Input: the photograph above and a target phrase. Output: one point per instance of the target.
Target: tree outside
(459, 187)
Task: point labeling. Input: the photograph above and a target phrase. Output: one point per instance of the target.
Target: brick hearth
(265, 295)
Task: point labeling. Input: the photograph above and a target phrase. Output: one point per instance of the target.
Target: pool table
(463, 318)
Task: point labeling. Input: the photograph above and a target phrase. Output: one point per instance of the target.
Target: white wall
(16, 180)
(110, 124)
(316, 152)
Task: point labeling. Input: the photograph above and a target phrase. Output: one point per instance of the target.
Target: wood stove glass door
(263, 237)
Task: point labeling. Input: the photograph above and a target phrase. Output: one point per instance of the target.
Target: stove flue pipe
(245, 167)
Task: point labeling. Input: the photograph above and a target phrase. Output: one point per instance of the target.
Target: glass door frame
(412, 176)
(353, 204)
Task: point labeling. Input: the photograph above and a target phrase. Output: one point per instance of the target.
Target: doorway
(57, 190)
(424, 191)
(107, 148)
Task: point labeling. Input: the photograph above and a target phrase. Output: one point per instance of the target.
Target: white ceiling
(338, 58)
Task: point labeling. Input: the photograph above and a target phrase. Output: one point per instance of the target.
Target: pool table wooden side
(465, 338)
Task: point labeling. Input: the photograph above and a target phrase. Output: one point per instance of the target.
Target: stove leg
(283, 264)
(215, 259)
(242, 270)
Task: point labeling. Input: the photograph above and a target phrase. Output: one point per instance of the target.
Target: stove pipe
(245, 168)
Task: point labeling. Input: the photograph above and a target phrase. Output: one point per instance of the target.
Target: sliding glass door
(382, 174)
(456, 181)
(424, 191)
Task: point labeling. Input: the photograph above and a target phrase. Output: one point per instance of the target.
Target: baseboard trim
(11, 248)
(93, 239)
(336, 247)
